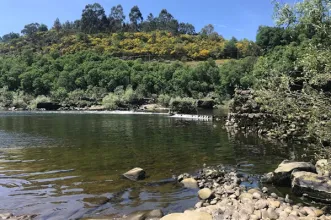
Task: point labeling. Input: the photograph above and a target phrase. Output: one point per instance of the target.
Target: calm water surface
(68, 166)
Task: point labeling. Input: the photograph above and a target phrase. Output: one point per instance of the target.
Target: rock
(205, 193)
(198, 205)
(190, 183)
(308, 211)
(252, 191)
(248, 208)
(257, 195)
(183, 176)
(213, 202)
(274, 195)
(294, 213)
(6, 215)
(261, 204)
(318, 212)
(274, 204)
(254, 217)
(323, 167)
(246, 196)
(188, 216)
(292, 217)
(258, 213)
(283, 215)
(264, 189)
(272, 214)
(142, 215)
(282, 175)
(212, 173)
(135, 174)
(97, 108)
(314, 186)
(156, 213)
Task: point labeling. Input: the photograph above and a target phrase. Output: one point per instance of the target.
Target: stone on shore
(135, 174)
(190, 183)
(188, 215)
(314, 186)
(205, 193)
(282, 175)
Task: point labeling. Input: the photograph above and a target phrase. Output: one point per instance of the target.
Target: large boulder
(323, 167)
(188, 215)
(312, 185)
(135, 174)
(282, 175)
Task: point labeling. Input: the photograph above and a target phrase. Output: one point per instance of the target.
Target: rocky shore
(223, 197)
(10, 216)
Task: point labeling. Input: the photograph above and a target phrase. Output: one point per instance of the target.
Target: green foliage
(111, 101)
(33, 104)
(183, 105)
(6, 97)
(237, 74)
(164, 100)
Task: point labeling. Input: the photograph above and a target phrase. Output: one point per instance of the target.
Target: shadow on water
(69, 165)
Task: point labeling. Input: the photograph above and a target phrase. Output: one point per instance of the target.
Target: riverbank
(222, 196)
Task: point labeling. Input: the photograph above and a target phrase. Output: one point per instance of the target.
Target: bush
(33, 104)
(20, 100)
(6, 97)
(164, 100)
(111, 101)
(183, 105)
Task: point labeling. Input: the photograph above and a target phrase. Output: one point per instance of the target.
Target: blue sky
(239, 18)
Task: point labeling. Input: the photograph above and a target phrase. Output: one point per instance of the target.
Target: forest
(103, 59)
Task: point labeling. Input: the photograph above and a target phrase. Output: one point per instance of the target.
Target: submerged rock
(312, 185)
(190, 183)
(135, 174)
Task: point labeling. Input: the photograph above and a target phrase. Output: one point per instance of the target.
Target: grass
(218, 62)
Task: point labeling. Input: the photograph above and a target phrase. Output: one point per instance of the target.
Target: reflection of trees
(264, 154)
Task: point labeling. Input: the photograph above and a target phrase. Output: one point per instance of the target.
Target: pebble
(274, 204)
(274, 195)
(257, 195)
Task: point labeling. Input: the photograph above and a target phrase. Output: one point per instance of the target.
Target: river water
(69, 166)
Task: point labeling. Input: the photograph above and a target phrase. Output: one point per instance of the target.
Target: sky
(238, 18)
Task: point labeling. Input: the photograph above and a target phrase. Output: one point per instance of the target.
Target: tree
(230, 49)
(167, 22)
(207, 30)
(136, 18)
(93, 19)
(150, 24)
(57, 25)
(30, 29)
(186, 28)
(42, 28)
(116, 18)
(9, 37)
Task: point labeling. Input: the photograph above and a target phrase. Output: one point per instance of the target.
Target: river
(67, 166)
